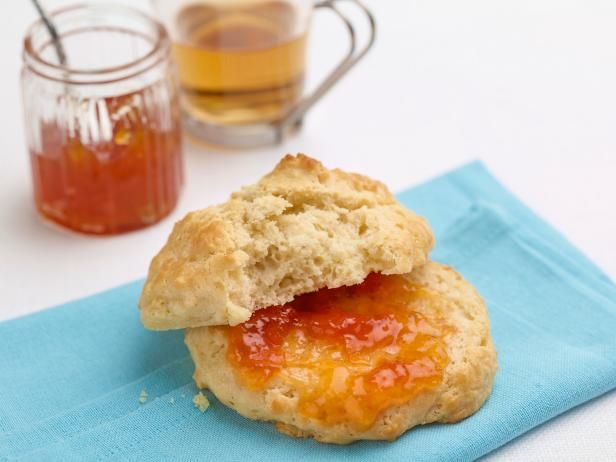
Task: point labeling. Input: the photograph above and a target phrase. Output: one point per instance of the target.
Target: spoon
(53, 32)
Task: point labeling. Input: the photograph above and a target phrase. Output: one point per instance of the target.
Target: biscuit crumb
(201, 402)
(143, 396)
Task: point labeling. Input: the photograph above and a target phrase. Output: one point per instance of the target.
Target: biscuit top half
(301, 228)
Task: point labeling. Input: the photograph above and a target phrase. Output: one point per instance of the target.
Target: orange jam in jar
(103, 128)
(127, 182)
(351, 352)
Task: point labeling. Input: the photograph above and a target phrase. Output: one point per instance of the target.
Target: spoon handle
(52, 32)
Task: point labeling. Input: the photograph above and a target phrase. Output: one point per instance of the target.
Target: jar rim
(65, 73)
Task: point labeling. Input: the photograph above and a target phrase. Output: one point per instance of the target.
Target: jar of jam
(103, 123)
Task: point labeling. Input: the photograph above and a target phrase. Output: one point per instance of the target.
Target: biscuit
(464, 385)
(299, 229)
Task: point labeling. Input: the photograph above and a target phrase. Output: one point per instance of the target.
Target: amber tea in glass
(239, 64)
(242, 65)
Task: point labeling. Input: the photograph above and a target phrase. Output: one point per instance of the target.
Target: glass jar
(103, 129)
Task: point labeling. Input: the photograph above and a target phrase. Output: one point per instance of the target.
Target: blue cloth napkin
(71, 376)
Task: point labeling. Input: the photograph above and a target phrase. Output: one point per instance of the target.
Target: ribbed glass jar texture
(103, 130)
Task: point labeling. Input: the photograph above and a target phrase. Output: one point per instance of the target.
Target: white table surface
(527, 86)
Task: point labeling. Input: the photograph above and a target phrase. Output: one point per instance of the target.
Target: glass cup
(242, 65)
(103, 126)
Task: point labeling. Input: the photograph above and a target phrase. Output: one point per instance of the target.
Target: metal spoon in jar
(53, 32)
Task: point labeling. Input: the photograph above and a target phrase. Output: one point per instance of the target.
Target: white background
(527, 86)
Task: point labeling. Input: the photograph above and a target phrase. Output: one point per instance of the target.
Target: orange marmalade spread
(127, 182)
(350, 352)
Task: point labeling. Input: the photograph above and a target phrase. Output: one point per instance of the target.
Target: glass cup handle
(351, 58)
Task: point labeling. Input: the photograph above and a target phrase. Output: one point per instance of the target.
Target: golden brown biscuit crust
(302, 227)
(467, 379)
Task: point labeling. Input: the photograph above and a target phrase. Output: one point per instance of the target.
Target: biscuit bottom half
(357, 362)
